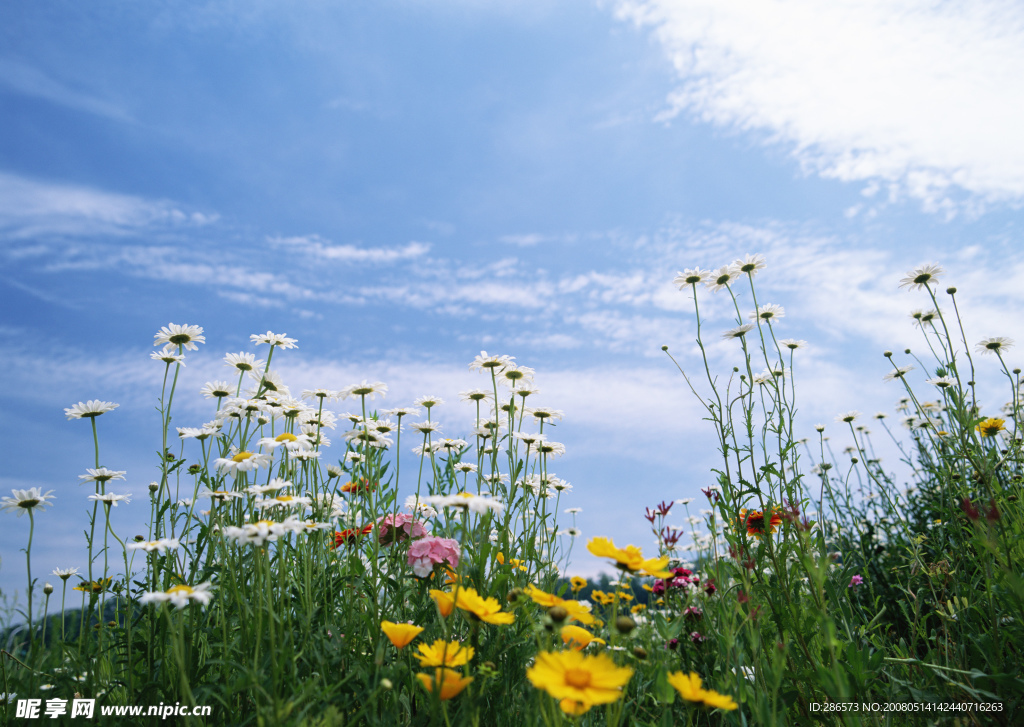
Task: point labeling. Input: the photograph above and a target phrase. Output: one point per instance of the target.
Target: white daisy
(465, 501)
(168, 354)
(542, 413)
(487, 362)
(847, 417)
(719, 279)
(943, 382)
(175, 335)
(274, 339)
(23, 501)
(401, 411)
(996, 344)
(244, 362)
(690, 277)
(321, 394)
(475, 395)
(429, 401)
(284, 502)
(158, 545)
(897, 373)
(65, 573)
(750, 264)
(768, 312)
(110, 499)
(368, 389)
(102, 475)
(792, 344)
(738, 331)
(89, 409)
(554, 449)
(180, 595)
(426, 427)
(291, 442)
(921, 276)
(217, 389)
(242, 461)
(200, 433)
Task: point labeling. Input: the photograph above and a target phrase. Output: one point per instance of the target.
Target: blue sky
(401, 184)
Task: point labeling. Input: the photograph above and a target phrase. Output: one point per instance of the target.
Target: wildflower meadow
(335, 558)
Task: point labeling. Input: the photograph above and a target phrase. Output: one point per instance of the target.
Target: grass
(826, 589)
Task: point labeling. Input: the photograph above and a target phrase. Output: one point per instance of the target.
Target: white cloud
(317, 247)
(918, 95)
(33, 209)
(31, 81)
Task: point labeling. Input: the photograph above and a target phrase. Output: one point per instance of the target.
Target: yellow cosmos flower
(629, 558)
(578, 638)
(577, 584)
(445, 601)
(577, 681)
(690, 688)
(576, 610)
(638, 608)
(485, 609)
(605, 599)
(400, 634)
(93, 586)
(991, 427)
(444, 653)
(447, 683)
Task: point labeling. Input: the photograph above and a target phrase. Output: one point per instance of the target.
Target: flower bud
(153, 487)
(639, 652)
(47, 589)
(951, 290)
(558, 614)
(624, 624)
(514, 595)
(386, 684)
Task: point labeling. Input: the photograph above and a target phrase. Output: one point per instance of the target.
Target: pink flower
(399, 527)
(429, 551)
(855, 581)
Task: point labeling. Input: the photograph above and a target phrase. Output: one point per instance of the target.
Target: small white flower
(273, 339)
(158, 545)
(768, 312)
(102, 475)
(738, 331)
(23, 501)
(180, 595)
(184, 336)
(996, 345)
(690, 276)
(89, 409)
(847, 417)
(897, 373)
(921, 276)
(168, 354)
(111, 499)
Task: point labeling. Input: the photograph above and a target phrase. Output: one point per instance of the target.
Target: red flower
(363, 485)
(351, 535)
(753, 520)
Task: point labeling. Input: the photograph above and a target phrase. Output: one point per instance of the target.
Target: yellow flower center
(241, 456)
(285, 498)
(187, 590)
(578, 678)
(286, 437)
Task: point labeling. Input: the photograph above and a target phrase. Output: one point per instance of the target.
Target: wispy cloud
(317, 247)
(36, 209)
(914, 97)
(25, 79)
